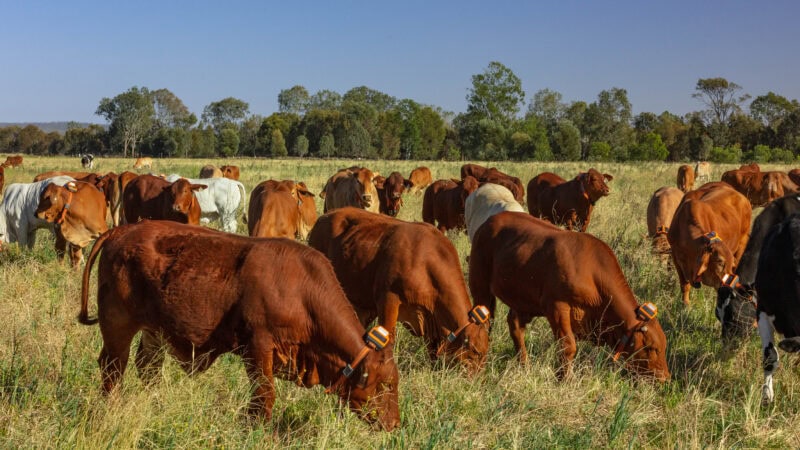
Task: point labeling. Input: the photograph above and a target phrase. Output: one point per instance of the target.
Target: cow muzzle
(366, 200)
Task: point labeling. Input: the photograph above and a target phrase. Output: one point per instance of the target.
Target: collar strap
(662, 230)
(63, 215)
(711, 237)
(376, 339)
(731, 281)
(583, 189)
(477, 315)
(645, 313)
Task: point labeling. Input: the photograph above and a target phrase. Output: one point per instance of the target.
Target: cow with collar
(556, 200)
(708, 235)
(18, 221)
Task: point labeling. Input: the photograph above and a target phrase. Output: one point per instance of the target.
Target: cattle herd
(302, 312)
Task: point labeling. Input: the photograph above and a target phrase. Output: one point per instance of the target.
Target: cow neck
(67, 204)
(344, 339)
(447, 318)
(584, 193)
(621, 311)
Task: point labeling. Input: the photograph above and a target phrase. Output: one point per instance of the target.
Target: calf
(230, 172)
(149, 197)
(443, 203)
(420, 179)
(220, 200)
(210, 171)
(708, 235)
(390, 194)
(87, 161)
(78, 212)
(778, 286)
(351, 187)
(486, 201)
(13, 161)
(18, 221)
(702, 171)
(660, 210)
(685, 178)
(406, 272)
(574, 280)
(760, 188)
(281, 209)
(142, 163)
(556, 200)
(265, 308)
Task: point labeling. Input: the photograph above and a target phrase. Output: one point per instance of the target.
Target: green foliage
(781, 155)
(760, 153)
(546, 106)
(228, 142)
(300, 147)
(531, 142)
(203, 143)
(327, 148)
(324, 99)
(131, 115)
(496, 94)
(293, 100)
(725, 155)
(599, 151)
(566, 141)
(225, 112)
(378, 100)
(649, 148)
(277, 145)
(719, 95)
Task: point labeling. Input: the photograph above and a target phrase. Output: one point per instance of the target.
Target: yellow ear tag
(71, 187)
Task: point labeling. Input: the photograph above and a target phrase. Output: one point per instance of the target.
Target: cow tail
(83, 316)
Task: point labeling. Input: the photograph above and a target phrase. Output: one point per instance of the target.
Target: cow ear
(608, 177)
(197, 187)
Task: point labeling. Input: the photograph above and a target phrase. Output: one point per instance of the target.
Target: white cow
(220, 200)
(18, 222)
(486, 201)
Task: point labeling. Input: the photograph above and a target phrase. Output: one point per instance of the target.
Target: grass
(49, 380)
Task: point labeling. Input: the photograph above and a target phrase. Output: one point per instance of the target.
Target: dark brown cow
(660, 211)
(351, 187)
(420, 178)
(476, 171)
(492, 175)
(443, 203)
(572, 279)
(281, 209)
(231, 172)
(390, 193)
(210, 171)
(78, 211)
(570, 202)
(685, 178)
(56, 173)
(752, 167)
(760, 188)
(156, 276)
(794, 176)
(403, 272)
(13, 161)
(149, 197)
(708, 235)
(116, 191)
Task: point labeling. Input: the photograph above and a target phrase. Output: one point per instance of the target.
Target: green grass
(49, 380)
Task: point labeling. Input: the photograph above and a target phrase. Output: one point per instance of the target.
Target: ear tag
(377, 338)
(71, 187)
(479, 315)
(646, 311)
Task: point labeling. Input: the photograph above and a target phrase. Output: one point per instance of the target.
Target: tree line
(366, 123)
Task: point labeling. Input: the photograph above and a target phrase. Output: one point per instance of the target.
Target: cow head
(372, 390)
(368, 193)
(308, 210)
(470, 347)
(736, 311)
(648, 355)
(392, 194)
(51, 202)
(180, 198)
(715, 260)
(593, 184)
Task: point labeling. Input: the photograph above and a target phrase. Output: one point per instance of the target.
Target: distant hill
(47, 127)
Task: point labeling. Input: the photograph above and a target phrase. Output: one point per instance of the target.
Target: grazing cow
(149, 197)
(210, 171)
(486, 201)
(275, 302)
(18, 221)
(736, 297)
(60, 173)
(660, 210)
(351, 187)
(403, 272)
(556, 200)
(540, 270)
(390, 193)
(492, 175)
(420, 179)
(760, 188)
(87, 161)
(221, 200)
(685, 178)
(281, 209)
(141, 163)
(230, 172)
(702, 171)
(778, 287)
(443, 203)
(78, 212)
(13, 161)
(708, 235)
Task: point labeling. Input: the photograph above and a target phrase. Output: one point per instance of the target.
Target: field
(49, 379)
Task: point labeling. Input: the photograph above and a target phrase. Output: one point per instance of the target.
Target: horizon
(427, 53)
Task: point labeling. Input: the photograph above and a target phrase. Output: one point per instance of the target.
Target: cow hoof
(697, 285)
(790, 345)
(767, 394)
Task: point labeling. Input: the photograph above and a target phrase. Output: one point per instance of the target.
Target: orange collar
(348, 370)
(662, 230)
(583, 191)
(63, 214)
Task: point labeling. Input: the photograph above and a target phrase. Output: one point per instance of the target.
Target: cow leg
(770, 362)
(113, 357)
(516, 328)
(388, 311)
(75, 256)
(561, 323)
(149, 356)
(258, 362)
(61, 246)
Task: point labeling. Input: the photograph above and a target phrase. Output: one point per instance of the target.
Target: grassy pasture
(49, 380)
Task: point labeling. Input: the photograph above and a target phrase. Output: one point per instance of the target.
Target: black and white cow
(737, 297)
(778, 287)
(87, 161)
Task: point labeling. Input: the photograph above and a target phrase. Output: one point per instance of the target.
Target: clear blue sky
(61, 57)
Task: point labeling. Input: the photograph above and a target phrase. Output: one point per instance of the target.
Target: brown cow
(760, 188)
(572, 279)
(154, 276)
(351, 187)
(492, 175)
(390, 193)
(57, 173)
(702, 171)
(752, 167)
(115, 194)
(570, 202)
(443, 203)
(476, 171)
(281, 209)
(708, 235)
(420, 179)
(13, 161)
(403, 272)
(685, 178)
(78, 211)
(660, 210)
(210, 171)
(149, 197)
(141, 163)
(230, 172)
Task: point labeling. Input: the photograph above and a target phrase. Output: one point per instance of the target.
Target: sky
(60, 58)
